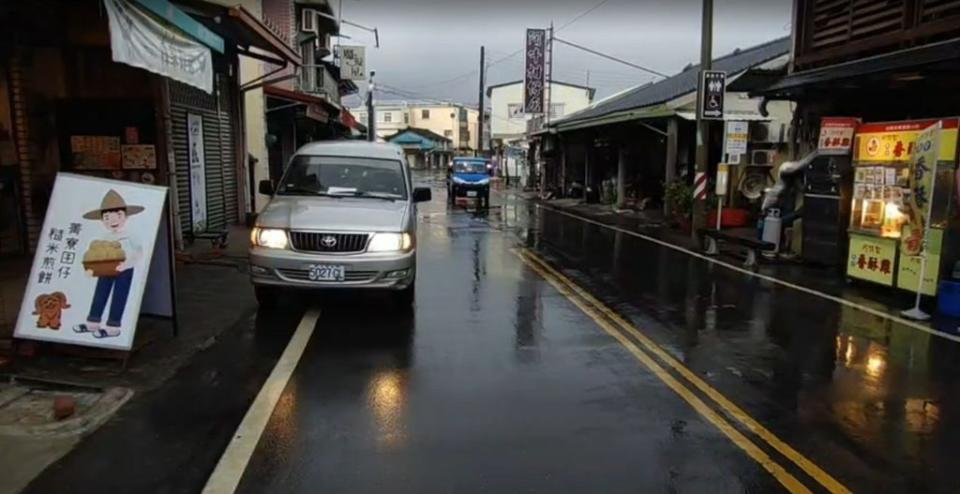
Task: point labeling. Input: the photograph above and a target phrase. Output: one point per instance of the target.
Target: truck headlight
(271, 238)
(390, 242)
(482, 181)
(458, 180)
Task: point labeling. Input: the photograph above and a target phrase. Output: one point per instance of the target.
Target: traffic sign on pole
(713, 86)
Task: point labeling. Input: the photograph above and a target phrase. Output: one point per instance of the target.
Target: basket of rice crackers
(103, 257)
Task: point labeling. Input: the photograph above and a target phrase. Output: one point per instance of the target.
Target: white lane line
(827, 296)
(226, 476)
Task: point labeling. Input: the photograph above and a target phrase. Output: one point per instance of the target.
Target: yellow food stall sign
(871, 259)
(896, 142)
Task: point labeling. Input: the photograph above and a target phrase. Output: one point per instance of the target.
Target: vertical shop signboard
(534, 71)
(198, 178)
(89, 273)
(926, 150)
(353, 62)
(872, 258)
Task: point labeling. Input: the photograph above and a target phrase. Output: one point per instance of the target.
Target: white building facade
(507, 120)
(508, 123)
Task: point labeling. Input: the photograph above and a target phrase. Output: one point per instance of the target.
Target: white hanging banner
(139, 40)
(90, 268)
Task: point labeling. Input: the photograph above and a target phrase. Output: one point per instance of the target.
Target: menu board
(139, 156)
(95, 152)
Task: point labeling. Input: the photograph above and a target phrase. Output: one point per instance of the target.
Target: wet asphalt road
(497, 382)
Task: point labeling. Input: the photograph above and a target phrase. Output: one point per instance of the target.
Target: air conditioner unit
(324, 45)
(767, 132)
(308, 21)
(763, 157)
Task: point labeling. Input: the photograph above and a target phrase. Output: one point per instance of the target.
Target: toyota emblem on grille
(328, 241)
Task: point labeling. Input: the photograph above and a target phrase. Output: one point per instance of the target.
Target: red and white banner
(700, 187)
(836, 135)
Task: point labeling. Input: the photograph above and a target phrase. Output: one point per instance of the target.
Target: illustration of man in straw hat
(112, 261)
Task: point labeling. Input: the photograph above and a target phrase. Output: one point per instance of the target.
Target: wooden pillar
(622, 176)
(563, 170)
(166, 144)
(586, 168)
(670, 166)
(542, 165)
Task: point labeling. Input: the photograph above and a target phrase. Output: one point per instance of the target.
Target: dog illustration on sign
(50, 306)
(112, 261)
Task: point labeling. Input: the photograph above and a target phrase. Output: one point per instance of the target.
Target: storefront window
(878, 199)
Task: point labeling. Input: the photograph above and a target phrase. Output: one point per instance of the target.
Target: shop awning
(317, 108)
(244, 29)
(348, 120)
(656, 111)
(728, 116)
(899, 61)
(178, 18)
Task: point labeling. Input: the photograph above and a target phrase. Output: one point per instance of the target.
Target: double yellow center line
(617, 327)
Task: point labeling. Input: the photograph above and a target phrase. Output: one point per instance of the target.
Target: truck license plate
(325, 272)
(471, 193)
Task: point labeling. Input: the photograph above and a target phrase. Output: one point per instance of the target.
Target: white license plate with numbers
(471, 193)
(325, 272)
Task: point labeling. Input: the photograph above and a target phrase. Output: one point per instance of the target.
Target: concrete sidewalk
(213, 294)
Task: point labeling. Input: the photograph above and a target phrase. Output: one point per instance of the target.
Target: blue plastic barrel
(948, 298)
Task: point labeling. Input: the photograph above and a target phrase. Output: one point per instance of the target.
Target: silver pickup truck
(343, 216)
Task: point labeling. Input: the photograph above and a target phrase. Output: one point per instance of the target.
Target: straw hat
(112, 200)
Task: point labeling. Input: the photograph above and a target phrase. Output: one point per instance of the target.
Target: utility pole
(549, 82)
(480, 119)
(546, 118)
(371, 114)
(703, 126)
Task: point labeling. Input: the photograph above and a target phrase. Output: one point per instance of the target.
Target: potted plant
(678, 196)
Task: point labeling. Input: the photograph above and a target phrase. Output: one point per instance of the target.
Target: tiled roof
(678, 85)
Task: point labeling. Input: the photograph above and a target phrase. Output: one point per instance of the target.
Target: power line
(584, 13)
(610, 57)
(515, 53)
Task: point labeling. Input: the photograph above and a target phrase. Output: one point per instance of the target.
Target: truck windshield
(342, 176)
(469, 166)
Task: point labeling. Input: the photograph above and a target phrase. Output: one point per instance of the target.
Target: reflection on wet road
(867, 398)
(505, 379)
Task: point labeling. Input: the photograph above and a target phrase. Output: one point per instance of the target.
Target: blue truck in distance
(470, 178)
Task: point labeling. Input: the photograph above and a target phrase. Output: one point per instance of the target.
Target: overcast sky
(431, 48)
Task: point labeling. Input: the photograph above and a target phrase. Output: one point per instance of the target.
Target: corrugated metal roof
(678, 85)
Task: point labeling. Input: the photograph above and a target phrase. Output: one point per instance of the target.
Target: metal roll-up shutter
(217, 113)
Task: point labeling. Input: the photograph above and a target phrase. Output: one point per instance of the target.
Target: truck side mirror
(422, 194)
(266, 187)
